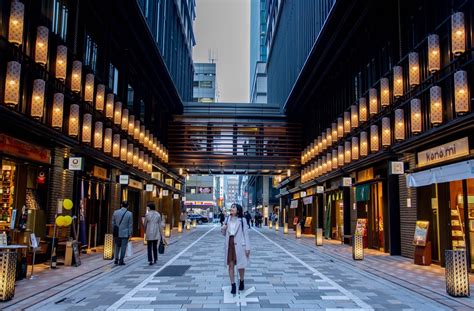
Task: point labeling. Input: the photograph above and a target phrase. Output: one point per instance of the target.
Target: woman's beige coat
(152, 226)
(242, 243)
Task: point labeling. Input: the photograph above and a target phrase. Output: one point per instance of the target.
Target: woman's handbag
(161, 247)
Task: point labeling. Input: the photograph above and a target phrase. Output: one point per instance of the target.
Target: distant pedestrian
(154, 232)
(248, 217)
(221, 218)
(183, 219)
(122, 222)
(237, 246)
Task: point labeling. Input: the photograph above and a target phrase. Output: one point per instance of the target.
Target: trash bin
(109, 247)
(457, 275)
(357, 247)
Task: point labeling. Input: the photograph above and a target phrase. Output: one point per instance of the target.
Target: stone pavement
(284, 274)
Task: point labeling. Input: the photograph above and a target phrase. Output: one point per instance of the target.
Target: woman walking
(237, 245)
(154, 232)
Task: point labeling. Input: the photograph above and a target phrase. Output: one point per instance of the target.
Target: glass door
(470, 218)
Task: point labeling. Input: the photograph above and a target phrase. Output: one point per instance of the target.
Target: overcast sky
(223, 26)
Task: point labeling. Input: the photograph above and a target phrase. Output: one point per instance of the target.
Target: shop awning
(446, 173)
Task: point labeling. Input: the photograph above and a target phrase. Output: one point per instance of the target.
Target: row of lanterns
(103, 103)
(351, 150)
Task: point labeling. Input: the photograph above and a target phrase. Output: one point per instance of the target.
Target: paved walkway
(284, 274)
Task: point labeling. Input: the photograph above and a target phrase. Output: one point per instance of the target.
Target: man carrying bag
(122, 231)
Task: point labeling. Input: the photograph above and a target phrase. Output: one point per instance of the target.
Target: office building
(258, 52)
(204, 84)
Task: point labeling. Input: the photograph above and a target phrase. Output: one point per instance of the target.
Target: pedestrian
(237, 246)
(252, 220)
(122, 218)
(154, 233)
(248, 217)
(221, 218)
(183, 219)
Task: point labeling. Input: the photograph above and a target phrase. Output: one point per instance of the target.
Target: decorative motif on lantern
(363, 109)
(397, 81)
(384, 92)
(458, 35)
(340, 127)
(123, 150)
(374, 138)
(73, 125)
(76, 76)
(414, 69)
(108, 140)
(436, 106)
(37, 99)
(434, 55)
(373, 102)
(461, 92)
(100, 97)
(98, 128)
(15, 25)
(61, 62)
(41, 47)
(415, 107)
(355, 148)
(334, 132)
(347, 122)
(12, 84)
(87, 128)
(399, 124)
(116, 147)
(118, 113)
(130, 154)
(364, 148)
(386, 132)
(347, 152)
(334, 158)
(109, 106)
(57, 113)
(89, 88)
(354, 117)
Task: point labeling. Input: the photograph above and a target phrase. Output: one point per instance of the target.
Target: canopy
(446, 173)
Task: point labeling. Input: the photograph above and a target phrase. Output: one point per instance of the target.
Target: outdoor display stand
(358, 247)
(109, 247)
(8, 263)
(422, 254)
(319, 237)
(457, 275)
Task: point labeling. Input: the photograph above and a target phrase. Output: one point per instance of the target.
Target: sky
(223, 27)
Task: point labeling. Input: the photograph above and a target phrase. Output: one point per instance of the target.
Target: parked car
(199, 218)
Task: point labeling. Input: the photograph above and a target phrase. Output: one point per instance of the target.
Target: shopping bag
(129, 250)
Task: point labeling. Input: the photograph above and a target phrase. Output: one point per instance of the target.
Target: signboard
(421, 233)
(319, 189)
(362, 193)
(449, 151)
(397, 168)
(165, 192)
(149, 187)
(346, 181)
(308, 200)
(123, 179)
(176, 196)
(75, 253)
(135, 184)
(75, 164)
(19, 148)
(33, 241)
(13, 220)
(302, 194)
(99, 172)
(294, 204)
(205, 190)
(361, 227)
(307, 222)
(199, 203)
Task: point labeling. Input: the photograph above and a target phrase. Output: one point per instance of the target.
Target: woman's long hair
(240, 210)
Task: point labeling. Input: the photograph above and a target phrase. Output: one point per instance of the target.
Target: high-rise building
(171, 25)
(204, 84)
(258, 52)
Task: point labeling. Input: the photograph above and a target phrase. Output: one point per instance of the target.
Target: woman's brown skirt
(231, 255)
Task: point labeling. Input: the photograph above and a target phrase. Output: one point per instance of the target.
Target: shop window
(205, 84)
(90, 57)
(7, 190)
(59, 18)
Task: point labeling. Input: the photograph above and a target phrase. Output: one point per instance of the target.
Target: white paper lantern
(399, 124)
(58, 111)
(373, 101)
(100, 97)
(354, 117)
(362, 109)
(384, 92)
(347, 122)
(37, 99)
(118, 113)
(41, 46)
(130, 154)
(374, 138)
(386, 132)
(76, 76)
(87, 128)
(415, 116)
(340, 155)
(12, 84)
(124, 125)
(108, 141)
(458, 34)
(397, 81)
(414, 69)
(123, 150)
(461, 92)
(109, 106)
(436, 106)
(61, 62)
(15, 26)
(434, 55)
(116, 151)
(347, 152)
(364, 146)
(73, 122)
(89, 88)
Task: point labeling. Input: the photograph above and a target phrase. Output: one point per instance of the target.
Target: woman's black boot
(241, 285)
(233, 291)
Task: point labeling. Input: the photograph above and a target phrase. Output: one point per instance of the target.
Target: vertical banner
(82, 216)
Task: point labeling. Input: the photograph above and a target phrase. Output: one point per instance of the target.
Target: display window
(7, 194)
(369, 198)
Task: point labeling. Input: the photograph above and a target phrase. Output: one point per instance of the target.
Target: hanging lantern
(123, 149)
(57, 113)
(384, 92)
(146, 138)
(415, 107)
(399, 124)
(100, 97)
(73, 126)
(436, 106)
(434, 55)
(130, 154)
(347, 152)
(347, 122)
(108, 140)
(329, 162)
(89, 88)
(150, 142)
(334, 158)
(136, 130)
(124, 125)
(324, 141)
(364, 148)
(414, 69)
(374, 138)
(458, 35)
(314, 151)
(15, 26)
(373, 101)
(320, 167)
(397, 81)
(363, 109)
(145, 162)
(76, 76)
(118, 113)
(116, 146)
(41, 47)
(461, 94)
(355, 148)
(340, 127)
(131, 124)
(109, 106)
(140, 160)
(98, 128)
(320, 144)
(86, 128)
(61, 62)
(37, 99)
(328, 137)
(354, 117)
(386, 132)
(142, 134)
(340, 155)
(135, 157)
(12, 83)
(155, 144)
(334, 132)
(324, 164)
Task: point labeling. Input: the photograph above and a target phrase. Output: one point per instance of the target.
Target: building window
(57, 12)
(205, 84)
(113, 78)
(130, 95)
(90, 58)
(195, 83)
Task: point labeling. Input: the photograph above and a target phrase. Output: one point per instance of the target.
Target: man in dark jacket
(248, 217)
(124, 220)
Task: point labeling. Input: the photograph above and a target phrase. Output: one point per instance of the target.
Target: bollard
(180, 227)
(319, 237)
(298, 231)
(109, 247)
(194, 223)
(188, 225)
(457, 275)
(277, 226)
(285, 228)
(167, 230)
(357, 247)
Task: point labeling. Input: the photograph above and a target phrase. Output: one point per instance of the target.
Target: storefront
(133, 193)
(309, 211)
(334, 214)
(444, 185)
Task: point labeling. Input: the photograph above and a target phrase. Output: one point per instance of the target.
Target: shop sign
(421, 233)
(346, 181)
(149, 187)
(205, 190)
(319, 189)
(294, 204)
(183, 199)
(176, 196)
(302, 194)
(397, 168)
(99, 172)
(445, 152)
(164, 193)
(135, 184)
(75, 164)
(123, 179)
(19, 148)
(362, 193)
(156, 175)
(308, 200)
